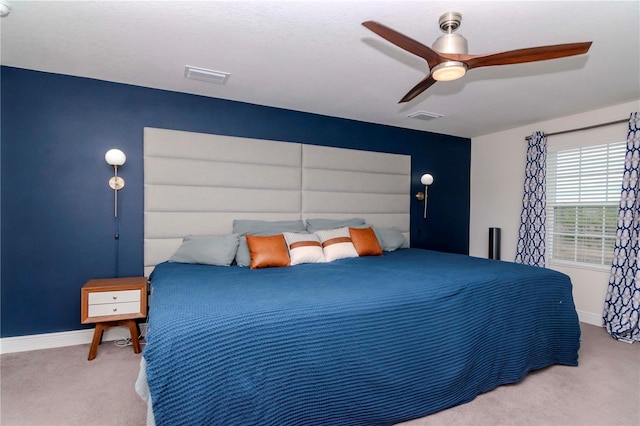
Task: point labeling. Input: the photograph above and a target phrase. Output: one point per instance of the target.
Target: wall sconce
(5, 8)
(426, 180)
(115, 158)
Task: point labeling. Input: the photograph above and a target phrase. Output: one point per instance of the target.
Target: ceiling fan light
(448, 71)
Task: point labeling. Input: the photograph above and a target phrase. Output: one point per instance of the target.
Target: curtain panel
(622, 304)
(532, 232)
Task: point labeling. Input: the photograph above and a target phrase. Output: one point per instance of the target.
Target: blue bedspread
(363, 341)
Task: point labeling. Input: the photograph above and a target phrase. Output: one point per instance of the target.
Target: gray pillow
(390, 238)
(314, 225)
(243, 257)
(260, 227)
(218, 250)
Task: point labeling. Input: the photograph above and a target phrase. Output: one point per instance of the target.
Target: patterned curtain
(622, 304)
(531, 236)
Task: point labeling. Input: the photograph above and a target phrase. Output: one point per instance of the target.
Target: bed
(367, 340)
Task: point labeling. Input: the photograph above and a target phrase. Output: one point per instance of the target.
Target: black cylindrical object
(494, 243)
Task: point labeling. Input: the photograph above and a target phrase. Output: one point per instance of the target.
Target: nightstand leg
(97, 338)
(133, 329)
(102, 326)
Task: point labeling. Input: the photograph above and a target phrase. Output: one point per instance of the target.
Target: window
(583, 193)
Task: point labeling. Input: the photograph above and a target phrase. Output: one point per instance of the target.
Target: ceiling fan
(448, 58)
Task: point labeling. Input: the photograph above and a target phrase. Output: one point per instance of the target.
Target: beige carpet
(60, 387)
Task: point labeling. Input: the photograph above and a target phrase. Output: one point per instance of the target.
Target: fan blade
(531, 54)
(427, 82)
(431, 56)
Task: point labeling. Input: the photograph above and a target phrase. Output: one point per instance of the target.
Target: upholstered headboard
(196, 184)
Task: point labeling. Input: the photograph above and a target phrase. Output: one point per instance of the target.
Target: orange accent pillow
(365, 242)
(267, 251)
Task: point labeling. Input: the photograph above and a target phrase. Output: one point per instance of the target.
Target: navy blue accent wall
(57, 209)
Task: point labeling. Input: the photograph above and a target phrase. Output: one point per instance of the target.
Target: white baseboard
(590, 318)
(57, 340)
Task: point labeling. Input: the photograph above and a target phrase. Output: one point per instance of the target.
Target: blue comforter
(362, 341)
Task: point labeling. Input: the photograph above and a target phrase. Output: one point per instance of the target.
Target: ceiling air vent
(424, 115)
(203, 74)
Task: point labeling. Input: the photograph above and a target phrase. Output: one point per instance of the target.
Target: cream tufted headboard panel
(196, 184)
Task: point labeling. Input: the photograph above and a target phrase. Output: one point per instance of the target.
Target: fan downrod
(450, 21)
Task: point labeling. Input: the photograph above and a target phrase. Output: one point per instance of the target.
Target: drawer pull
(115, 297)
(115, 309)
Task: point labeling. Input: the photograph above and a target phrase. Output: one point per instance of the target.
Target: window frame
(609, 197)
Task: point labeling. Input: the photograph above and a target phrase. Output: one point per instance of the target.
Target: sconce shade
(426, 179)
(115, 157)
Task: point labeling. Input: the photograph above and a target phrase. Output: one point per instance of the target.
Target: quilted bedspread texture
(361, 341)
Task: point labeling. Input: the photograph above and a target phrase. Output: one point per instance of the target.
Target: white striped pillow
(337, 244)
(304, 248)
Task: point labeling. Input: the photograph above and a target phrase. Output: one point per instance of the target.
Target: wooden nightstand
(111, 302)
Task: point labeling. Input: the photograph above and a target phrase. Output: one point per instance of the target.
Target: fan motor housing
(451, 43)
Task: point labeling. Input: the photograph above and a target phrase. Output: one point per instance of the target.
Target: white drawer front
(99, 297)
(114, 309)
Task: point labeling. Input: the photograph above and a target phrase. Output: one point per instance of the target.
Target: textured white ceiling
(315, 56)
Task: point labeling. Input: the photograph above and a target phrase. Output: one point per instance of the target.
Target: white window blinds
(586, 175)
(583, 192)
